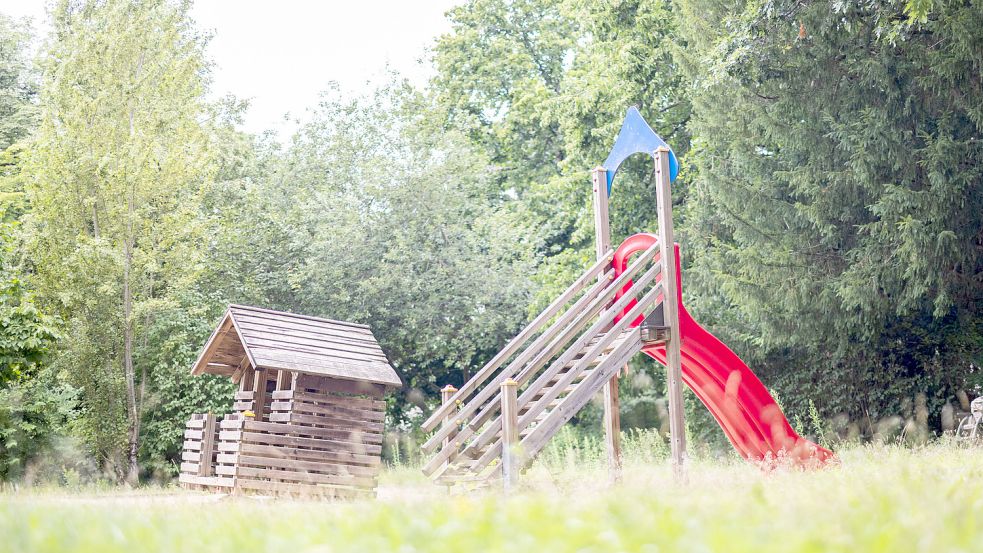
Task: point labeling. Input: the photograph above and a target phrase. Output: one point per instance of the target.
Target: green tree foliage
(838, 200)
(372, 216)
(114, 171)
(543, 86)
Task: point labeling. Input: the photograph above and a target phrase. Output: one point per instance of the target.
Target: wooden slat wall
(192, 474)
(323, 439)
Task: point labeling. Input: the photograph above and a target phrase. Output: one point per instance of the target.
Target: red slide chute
(749, 416)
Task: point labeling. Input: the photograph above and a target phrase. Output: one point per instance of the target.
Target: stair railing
(531, 355)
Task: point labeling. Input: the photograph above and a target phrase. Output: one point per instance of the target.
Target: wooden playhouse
(308, 415)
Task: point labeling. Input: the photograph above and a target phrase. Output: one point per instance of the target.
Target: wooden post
(207, 446)
(674, 376)
(283, 380)
(511, 464)
(259, 393)
(446, 393)
(612, 406)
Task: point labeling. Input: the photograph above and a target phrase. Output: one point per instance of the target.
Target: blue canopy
(636, 136)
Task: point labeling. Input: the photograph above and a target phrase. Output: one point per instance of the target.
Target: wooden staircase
(559, 362)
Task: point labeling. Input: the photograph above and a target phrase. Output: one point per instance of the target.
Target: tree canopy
(829, 207)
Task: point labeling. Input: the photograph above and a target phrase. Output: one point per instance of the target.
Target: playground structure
(308, 415)
(507, 412)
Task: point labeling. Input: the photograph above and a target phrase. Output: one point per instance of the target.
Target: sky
(280, 54)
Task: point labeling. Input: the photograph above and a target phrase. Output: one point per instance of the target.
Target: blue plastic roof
(636, 136)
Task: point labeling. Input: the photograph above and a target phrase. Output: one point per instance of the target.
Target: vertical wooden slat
(447, 395)
(511, 464)
(259, 393)
(283, 380)
(207, 446)
(674, 378)
(612, 405)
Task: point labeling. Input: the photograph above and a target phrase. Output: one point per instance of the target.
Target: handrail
(444, 410)
(599, 327)
(595, 307)
(485, 393)
(530, 415)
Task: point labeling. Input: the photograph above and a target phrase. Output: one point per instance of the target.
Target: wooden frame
(674, 376)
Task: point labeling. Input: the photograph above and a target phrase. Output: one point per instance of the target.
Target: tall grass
(880, 498)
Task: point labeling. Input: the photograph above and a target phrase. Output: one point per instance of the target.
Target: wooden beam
(259, 392)
(612, 405)
(446, 396)
(207, 446)
(674, 376)
(471, 385)
(511, 463)
(218, 335)
(284, 380)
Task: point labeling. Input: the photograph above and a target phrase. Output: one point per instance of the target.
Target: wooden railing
(570, 346)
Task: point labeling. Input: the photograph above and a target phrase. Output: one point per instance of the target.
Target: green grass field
(879, 499)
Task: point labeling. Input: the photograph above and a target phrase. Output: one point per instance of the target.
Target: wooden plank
(292, 326)
(336, 456)
(524, 335)
(229, 423)
(574, 402)
(674, 377)
(195, 424)
(532, 397)
(325, 384)
(572, 322)
(534, 410)
(284, 380)
(207, 446)
(241, 406)
(322, 421)
(358, 448)
(329, 347)
(612, 407)
(240, 370)
(246, 396)
(354, 436)
(374, 372)
(261, 375)
(319, 350)
(595, 305)
(305, 465)
(192, 434)
(191, 456)
(331, 398)
(191, 445)
(511, 464)
(259, 311)
(191, 468)
(304, 490)
(335, 335)
(212, 343)
(216, 481)
(613, 333)
(295, 476)
(333, 409)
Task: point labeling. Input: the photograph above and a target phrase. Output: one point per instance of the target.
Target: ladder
(559, 362)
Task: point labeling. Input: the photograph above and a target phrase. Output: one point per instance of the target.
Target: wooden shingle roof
(278, 340)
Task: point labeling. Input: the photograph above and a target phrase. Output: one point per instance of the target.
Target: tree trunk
(133, 412)
(133, 407)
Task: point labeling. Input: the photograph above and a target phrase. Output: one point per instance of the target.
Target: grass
(880, 498)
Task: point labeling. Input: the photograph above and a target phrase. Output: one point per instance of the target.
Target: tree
(114, 173)
(838, 206)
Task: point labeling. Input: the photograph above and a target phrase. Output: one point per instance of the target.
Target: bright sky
(282, 54)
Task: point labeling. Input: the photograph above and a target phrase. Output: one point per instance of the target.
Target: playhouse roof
(276, 340)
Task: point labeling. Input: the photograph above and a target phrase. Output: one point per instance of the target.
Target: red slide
(745, 410)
